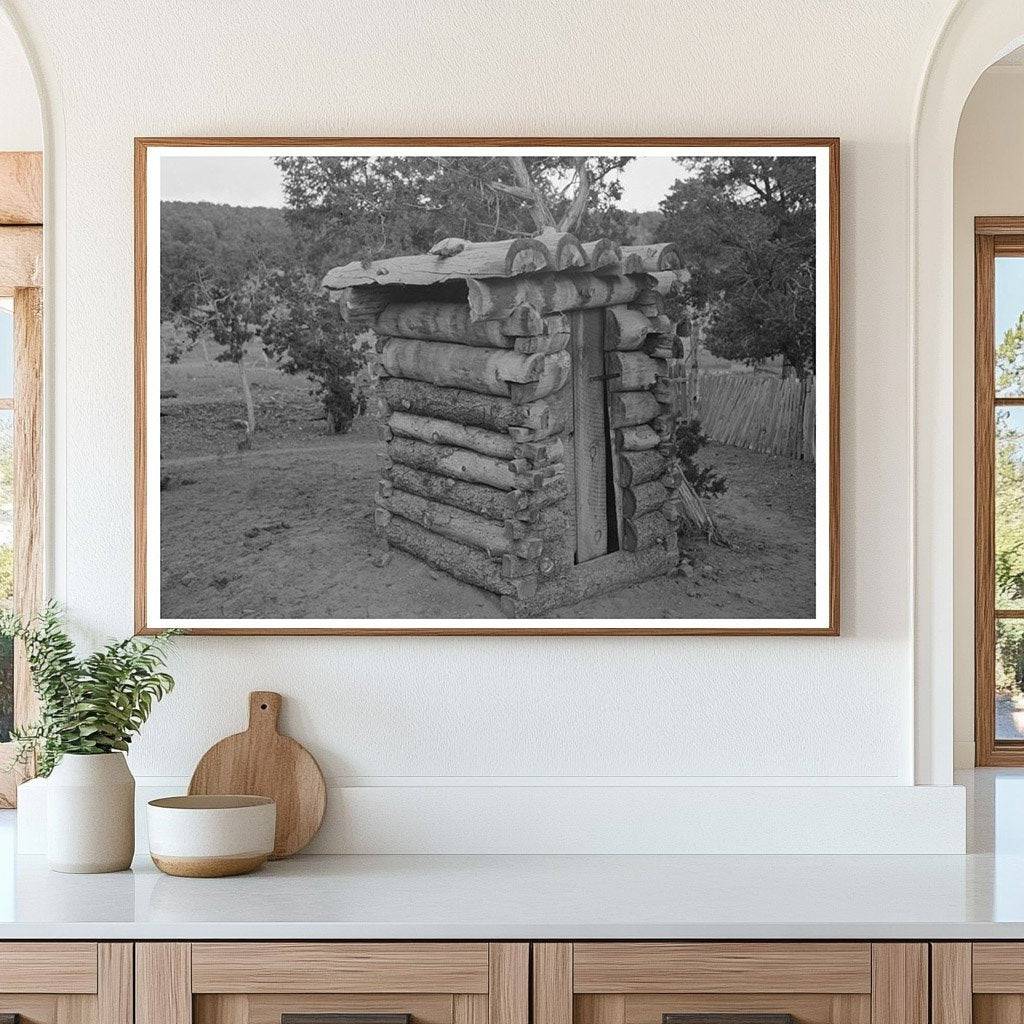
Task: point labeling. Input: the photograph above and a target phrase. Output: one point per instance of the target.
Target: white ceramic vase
(90, 814)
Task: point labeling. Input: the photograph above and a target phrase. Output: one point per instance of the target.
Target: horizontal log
(643, 498)
(646, 531)
(525, 321)
(544, 343)
(665, 346)
(439, 321)
(670, 282)
(629, 408)
(564, 248)
(550, 524)
(633, 371)
(468, 407)
(455, 258)
(494, 299)
(439, 431)
(462, 561)
(457, 463)
(541, 452)
(554, 409)
(604, 256)
(360, 307)
(553, 377)
(478, 498)
(639, 438)
(448, 521)
(488, 371)
(651, 258)
(625, 328)
(637, 468)
(598, 576)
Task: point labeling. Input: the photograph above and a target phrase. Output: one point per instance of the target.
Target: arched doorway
(976, 33)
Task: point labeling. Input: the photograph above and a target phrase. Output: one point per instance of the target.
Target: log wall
(476, 425)
(767, 414)
(473, 420)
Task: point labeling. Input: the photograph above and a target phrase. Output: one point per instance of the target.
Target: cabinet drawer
(66, 982)
(262, 982)
(635, 967)
(340, 967)
(48, 967)
(736, 982)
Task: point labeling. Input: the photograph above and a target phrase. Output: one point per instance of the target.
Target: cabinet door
(738, 982)
(315, 982)
(66, 982)
(980, 982)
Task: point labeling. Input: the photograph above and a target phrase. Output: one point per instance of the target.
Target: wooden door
(373, 982)
(63, 982)
(746, 982)
(596, 532)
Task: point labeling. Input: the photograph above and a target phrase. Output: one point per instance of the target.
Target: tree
(348, 208)
(212, 244)
(1009, 470)
(746, 227)
(306, 334)
(236, 318)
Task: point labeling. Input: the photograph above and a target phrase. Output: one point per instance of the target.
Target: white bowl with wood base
(211, 836)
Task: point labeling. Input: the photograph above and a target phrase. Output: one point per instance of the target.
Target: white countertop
(532, 897)
(977, 896)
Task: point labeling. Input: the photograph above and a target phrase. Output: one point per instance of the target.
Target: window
(999, 490)
(21, 364)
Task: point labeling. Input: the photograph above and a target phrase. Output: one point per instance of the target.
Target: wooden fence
(761, 412)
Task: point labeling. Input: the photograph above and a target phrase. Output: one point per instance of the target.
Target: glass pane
(1009, 523)
(6, 349)
(1009, 679)
(6, 567)
(1009, 324)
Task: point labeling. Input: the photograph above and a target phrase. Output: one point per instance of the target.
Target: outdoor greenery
(745, 227)
(687, 440)
(90, 705)
(1009, 506)
(237, 282)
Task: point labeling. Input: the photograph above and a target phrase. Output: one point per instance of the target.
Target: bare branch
(574, 214)
(525, 189)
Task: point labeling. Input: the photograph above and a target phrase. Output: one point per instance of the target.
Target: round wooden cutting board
(262, 762)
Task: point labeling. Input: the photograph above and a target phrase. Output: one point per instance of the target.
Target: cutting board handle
(264, 710)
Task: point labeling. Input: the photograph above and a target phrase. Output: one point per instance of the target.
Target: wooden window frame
(21, 268)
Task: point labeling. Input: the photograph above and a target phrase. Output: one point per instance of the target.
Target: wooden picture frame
(825, 622)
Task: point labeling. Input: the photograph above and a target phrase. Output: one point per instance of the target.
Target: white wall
(21, 125)
(988, 181)
(444, 713)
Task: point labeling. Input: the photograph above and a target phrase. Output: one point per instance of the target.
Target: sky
(1009, 293)
(255, 181)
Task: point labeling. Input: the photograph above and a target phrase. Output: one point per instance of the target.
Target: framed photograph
(487, 386)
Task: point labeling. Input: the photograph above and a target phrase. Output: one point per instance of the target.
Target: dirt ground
(286, 530)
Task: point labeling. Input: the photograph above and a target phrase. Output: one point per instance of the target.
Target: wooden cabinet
(494, 983)
(260, 982)
(980, 982)
(66, 982)
(646, 982)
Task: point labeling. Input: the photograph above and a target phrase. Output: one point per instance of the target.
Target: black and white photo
(435, 387)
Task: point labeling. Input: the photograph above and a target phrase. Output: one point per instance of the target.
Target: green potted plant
(89, 710)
